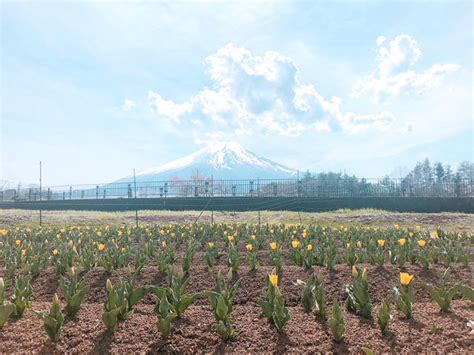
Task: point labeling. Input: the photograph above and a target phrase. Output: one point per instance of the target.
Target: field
(381, 245)
(361, 218)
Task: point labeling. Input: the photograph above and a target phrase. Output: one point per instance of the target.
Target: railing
(350, 187)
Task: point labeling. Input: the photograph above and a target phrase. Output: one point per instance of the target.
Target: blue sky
(95, 89)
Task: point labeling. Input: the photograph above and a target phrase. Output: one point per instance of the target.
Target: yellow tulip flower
(405, 278)
(381, 242)
(249, 247)
(422, 243)
(295, 244)
(273, 245)
(273, 279)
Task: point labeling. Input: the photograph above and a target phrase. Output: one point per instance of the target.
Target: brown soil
(193, 333)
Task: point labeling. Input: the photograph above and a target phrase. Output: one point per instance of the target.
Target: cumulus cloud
(261, 94)
(394, 73)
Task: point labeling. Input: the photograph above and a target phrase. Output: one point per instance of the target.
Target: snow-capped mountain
(221, 160)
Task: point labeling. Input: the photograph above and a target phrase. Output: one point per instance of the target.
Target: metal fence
(325, 188)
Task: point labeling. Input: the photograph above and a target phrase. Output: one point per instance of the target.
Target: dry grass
(364, 217)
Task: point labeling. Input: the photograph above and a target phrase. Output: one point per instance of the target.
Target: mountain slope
(221, 160)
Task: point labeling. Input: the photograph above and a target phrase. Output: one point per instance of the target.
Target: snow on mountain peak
(220, 156)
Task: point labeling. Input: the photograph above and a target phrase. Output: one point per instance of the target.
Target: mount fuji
(221, 160)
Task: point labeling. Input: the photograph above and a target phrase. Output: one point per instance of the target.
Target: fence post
(97, 192)
(70, 192)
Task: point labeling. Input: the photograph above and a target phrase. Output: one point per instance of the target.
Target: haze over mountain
(221, 160)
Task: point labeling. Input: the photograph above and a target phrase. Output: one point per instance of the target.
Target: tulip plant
(358, 300)
(188, 255)
(22, 295)
(211, 256)
(273, 304)
(313, 295)
(5, 309)
(233, 257)
(166, 257)
(221, 299)
(295, 253)
(384, 317)
(252, 256)
(275, 256)
(442, 294)
(166, 314)
(53, 320)
(74, 290)
(405, 295)
(308, 259)
(115, 307)
(336, 323)
(175, 292)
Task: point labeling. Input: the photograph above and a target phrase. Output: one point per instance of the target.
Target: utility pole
(212, 197)
(41, 193)
(259, 219)
(136, 207)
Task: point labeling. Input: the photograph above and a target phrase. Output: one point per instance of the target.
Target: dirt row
(428, 331)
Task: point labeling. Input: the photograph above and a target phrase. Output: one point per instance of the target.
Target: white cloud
(394, 73)
(167, 108)
(128, 105)
(261, 94)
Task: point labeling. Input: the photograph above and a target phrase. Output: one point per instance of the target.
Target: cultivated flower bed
(235, 288)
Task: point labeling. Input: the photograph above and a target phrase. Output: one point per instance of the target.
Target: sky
(95, 89)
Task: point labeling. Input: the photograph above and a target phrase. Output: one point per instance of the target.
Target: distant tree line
(424, 179)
